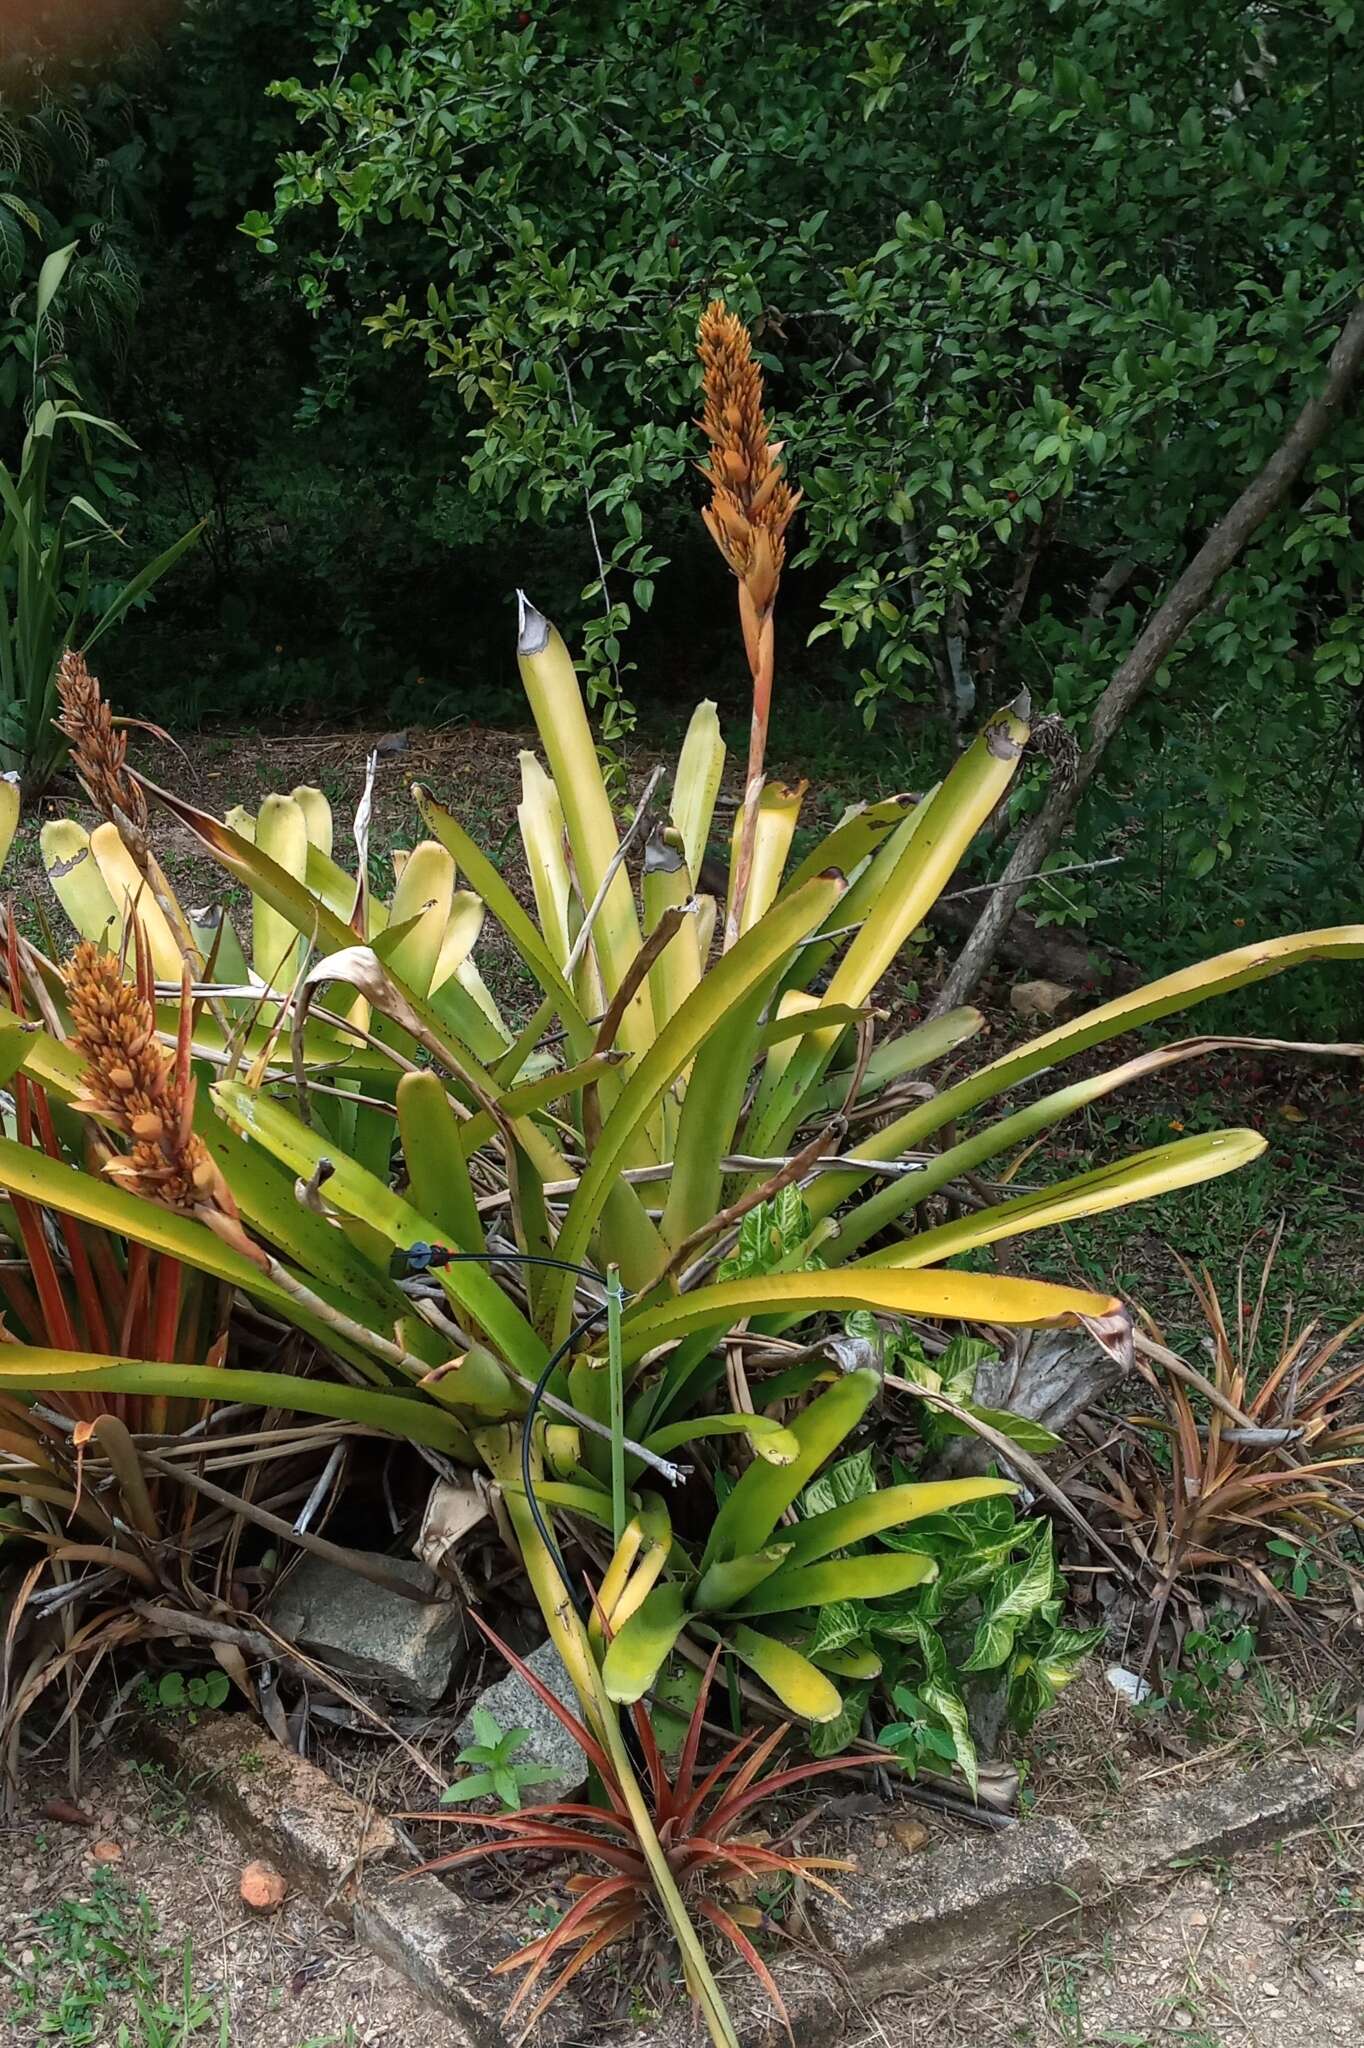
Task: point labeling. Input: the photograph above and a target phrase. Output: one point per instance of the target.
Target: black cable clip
(419, 1258)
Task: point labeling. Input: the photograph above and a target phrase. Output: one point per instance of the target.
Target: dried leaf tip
(532, 627)
(99, 750)
(751, 503)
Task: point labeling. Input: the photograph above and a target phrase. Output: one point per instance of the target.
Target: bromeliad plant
(757, 1583)
(704, 1815)
(656, 1096)
(128, 1550)
(1264, 1448)
(519, 1236)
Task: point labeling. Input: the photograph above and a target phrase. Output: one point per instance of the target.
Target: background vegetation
(401, 301)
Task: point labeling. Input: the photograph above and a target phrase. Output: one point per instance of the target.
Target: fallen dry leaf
(453, 1509)
(107, 1851)
(262, 1887)
(912, 1835)
(68, 1813)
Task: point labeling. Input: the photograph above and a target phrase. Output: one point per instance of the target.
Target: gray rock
(512, 1704)
(405, 1649)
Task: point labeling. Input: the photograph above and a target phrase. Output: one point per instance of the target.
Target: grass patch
(1131, 1250)
(101, 1972)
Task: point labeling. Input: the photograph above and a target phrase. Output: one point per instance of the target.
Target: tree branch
(1188, 598)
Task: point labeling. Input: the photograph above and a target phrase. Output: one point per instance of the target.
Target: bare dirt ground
(1266, 1953)
(157, 1940)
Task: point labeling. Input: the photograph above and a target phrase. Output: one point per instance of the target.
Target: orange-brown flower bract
(751, 506)
(751, 503)
(134, 1084)
(99, 750)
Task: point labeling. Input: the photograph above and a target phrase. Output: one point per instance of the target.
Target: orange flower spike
(99, 750)
(751, 506)
(134, 1084)
(751, 502)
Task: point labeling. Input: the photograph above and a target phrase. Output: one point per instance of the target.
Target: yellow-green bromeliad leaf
(27, 1369)
(1161, 1171)
(948, 1295)
(636, 1654)
(801, 1687)
(756, 955)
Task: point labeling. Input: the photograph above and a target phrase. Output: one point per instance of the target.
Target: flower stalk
(133, 1084)
(751, 506)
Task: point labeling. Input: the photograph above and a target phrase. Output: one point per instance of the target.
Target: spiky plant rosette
(706, 1817)
(1278, 1465)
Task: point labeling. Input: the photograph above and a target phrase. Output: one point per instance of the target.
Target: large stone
(405, 1649)
(513, 1704)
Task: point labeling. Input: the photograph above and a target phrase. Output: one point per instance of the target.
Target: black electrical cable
(421, 1258)
(580, 1330)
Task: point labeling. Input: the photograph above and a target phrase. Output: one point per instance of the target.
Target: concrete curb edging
(909, 1919)
(277, 1804)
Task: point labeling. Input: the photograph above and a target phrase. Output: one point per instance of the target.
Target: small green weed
(100, 1973)
(1299, 1567)
(919, 1738)
(174, 1693)
(1062, 1982)
(495, 1773)
(168, 1799)
(1216, 1662)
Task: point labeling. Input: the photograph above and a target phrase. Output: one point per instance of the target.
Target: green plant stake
(615, 1297)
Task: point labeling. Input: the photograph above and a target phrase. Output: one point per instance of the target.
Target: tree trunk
(1185, 602)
